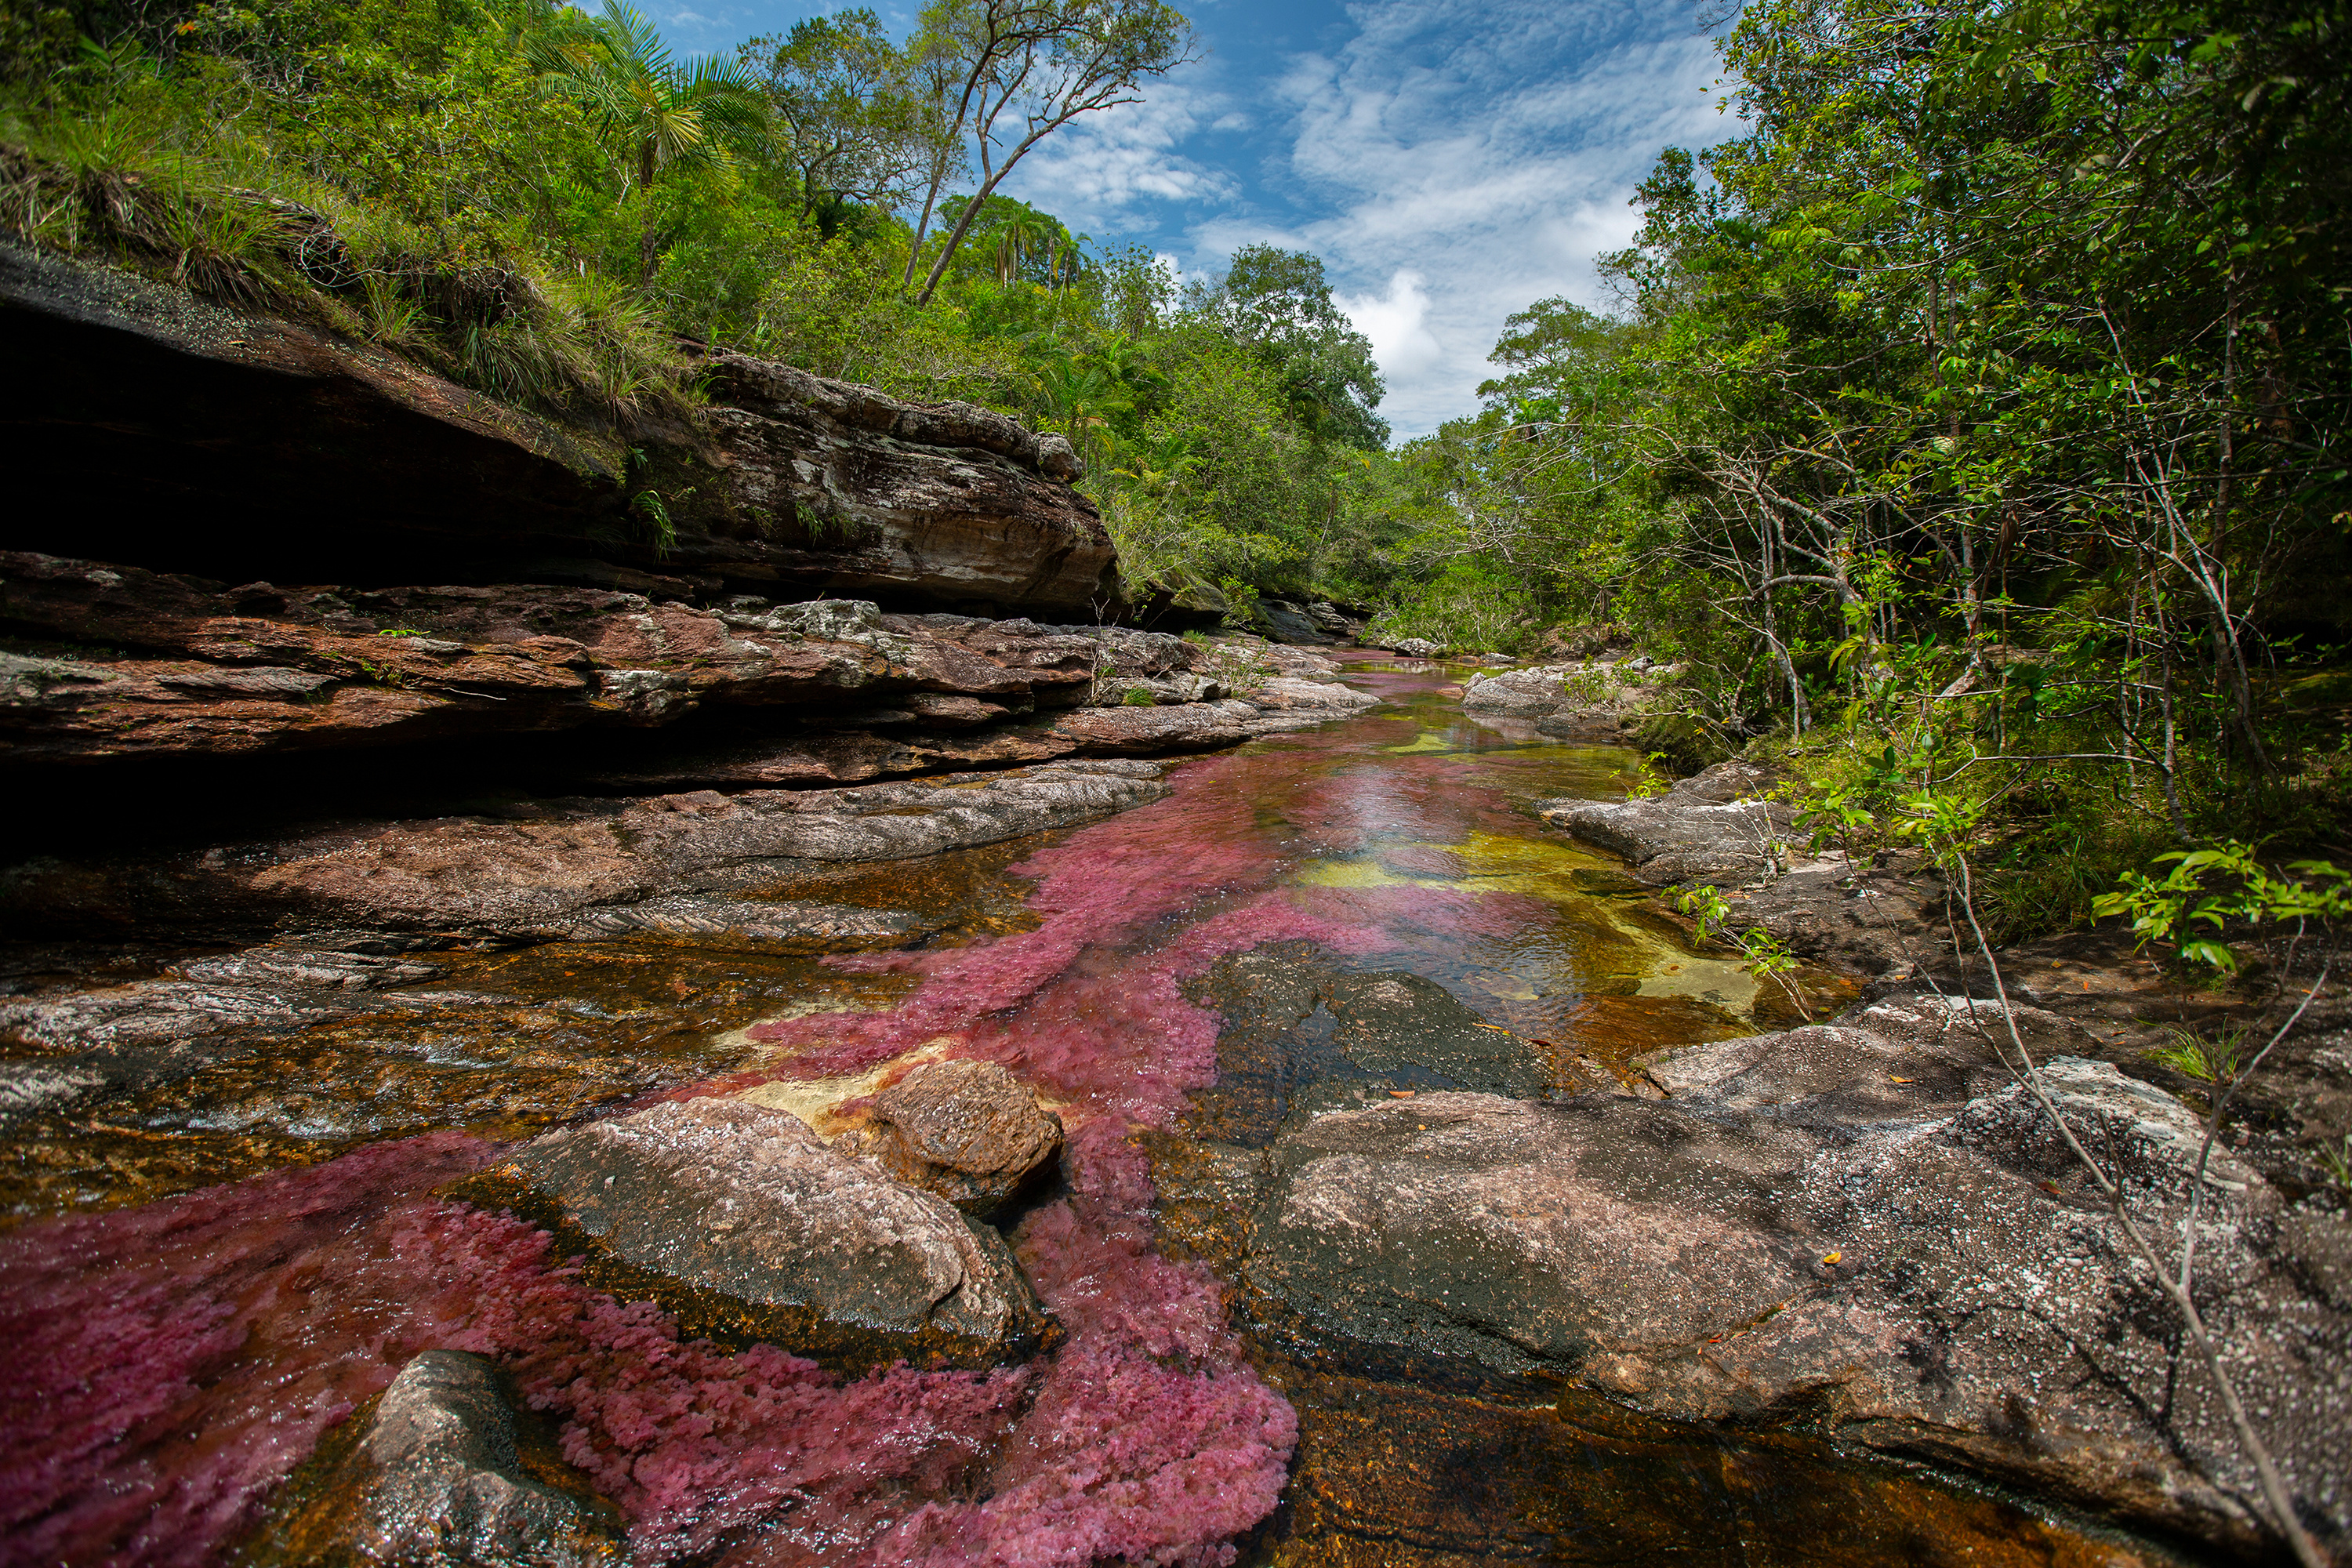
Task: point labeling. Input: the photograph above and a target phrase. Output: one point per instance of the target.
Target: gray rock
(1710, 827)
(437, 1479)
(1415, 647)
(1797, 1236)
(738, 1219)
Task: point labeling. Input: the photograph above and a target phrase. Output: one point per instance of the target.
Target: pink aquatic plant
(176, 1361)
(179, 1360)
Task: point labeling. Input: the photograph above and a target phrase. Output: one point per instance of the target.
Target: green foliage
(2220, 886)
(1768, 956)
(539, 203)
(2215, 1061)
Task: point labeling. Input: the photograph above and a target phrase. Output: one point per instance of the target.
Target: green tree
(1279, 303)
(1028, 69)
(657, 114)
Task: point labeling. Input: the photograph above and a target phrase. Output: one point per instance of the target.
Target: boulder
(180, 436)
(1599, 701)
(1415, 647)
(740, 1220)
(441, 1472)
(964, 1130)
(1714, 826)
(1874, 1233)
(1286, 622)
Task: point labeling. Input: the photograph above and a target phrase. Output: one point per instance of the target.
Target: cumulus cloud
(1102, 174)
(1396, 319)
(1487, 151)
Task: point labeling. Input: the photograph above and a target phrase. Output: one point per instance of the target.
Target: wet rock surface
(1713, 826)
(742, 1222)
(442, 1472)
(1863, 1228)
(966, 1131)
(576, 868)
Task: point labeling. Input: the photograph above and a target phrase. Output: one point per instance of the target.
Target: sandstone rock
(579, 865)
(440, 1474)
(1415, 647)
(1710, 827)
(1287, 694)
(185, 436)
(1798, 1237)
(963, 1130)
(179, 666)
(741, 1220)
(1286, 622)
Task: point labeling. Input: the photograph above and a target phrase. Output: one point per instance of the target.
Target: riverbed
(1350, 916)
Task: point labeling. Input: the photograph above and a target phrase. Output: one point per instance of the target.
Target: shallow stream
(186, 1348)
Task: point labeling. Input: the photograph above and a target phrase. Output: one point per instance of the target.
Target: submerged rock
(1872, 1231)
(441, 1473)
(740, 1221)
(964, 1130)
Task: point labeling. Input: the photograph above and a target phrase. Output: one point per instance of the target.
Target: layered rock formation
(183, 436)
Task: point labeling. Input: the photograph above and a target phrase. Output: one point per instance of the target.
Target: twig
(2177, 1288)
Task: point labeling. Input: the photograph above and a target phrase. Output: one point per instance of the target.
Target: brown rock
(186, 436)
(963, 1130)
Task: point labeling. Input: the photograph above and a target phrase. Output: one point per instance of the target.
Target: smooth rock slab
(1709, 827)
(738, 1219)
(1833, 1227)
(964, 1130)
(438, 1477)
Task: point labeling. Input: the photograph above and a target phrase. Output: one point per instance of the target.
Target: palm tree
(1027, 235)
(657, 113)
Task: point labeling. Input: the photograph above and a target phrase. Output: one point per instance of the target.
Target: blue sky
(1452, 161)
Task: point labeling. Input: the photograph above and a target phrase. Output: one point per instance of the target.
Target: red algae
(171, 1363)
(181, 1358)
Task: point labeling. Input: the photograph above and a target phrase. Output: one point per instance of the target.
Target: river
(1348, 916)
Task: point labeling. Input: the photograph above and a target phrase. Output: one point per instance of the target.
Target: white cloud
(1395, 320)
(1099, 174)
(1464, 158)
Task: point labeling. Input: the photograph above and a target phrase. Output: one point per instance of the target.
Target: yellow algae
(816, 1100)
(1427, 741)
(1363, 874)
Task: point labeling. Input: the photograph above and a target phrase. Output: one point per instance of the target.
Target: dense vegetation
(541, 202)
(1971, 431)
(1974, 428)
